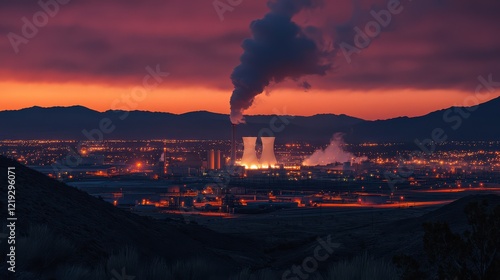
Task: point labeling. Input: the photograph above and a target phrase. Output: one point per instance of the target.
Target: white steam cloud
(331, 154)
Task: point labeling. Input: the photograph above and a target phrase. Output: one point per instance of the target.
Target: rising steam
(332, 154)
(278, 49)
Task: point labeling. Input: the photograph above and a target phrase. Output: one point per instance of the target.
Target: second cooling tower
(267, 159)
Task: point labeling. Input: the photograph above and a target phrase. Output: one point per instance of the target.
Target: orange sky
(76, 61)
(366, 105)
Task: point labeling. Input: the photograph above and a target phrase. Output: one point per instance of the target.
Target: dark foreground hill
(406, 236)
(64, 233)
(452, 213)
(97, 229)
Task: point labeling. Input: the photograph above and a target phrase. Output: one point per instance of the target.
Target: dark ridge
(71, 123)
(99, 229)
(452, 213)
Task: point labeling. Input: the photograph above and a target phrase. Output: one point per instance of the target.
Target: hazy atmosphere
(250, 140)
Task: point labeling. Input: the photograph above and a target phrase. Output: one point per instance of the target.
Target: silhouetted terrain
(69, 122)
(97, 228)
(458, 123)
(405, 235)
(96, 232)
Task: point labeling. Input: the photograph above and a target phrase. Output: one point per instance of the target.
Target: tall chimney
(233, 145)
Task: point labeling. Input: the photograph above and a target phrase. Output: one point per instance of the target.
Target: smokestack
(249, 159)
(233, 144)
(268, 159)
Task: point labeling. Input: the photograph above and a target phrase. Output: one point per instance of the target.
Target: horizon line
(227, 114)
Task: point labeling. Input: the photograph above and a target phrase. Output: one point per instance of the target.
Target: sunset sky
(92, 53)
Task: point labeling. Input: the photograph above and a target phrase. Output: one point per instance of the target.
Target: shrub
(73, 272)
(362, 268)
(42, 250)
(156, 270)
(193, 269)
(127, 259)
(247, 274)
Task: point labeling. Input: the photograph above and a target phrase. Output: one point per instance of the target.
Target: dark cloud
(429, 45)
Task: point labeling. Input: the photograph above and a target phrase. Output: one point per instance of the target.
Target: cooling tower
(267, 159)
(249, 159)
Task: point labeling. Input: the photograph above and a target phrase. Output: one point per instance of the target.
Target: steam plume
(278, 49)
(331, 154)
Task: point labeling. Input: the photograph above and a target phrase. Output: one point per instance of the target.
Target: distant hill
(69, 122)
(458, 123)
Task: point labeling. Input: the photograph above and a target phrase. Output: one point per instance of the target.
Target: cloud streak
(432, 45)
